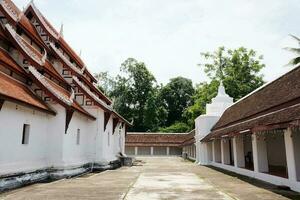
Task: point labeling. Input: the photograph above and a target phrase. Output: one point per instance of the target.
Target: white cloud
(169, 35)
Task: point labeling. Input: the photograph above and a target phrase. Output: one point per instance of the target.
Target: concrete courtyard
(154, 178)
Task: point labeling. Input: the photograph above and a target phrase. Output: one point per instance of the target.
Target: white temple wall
(79, 141)
(108, 143)
(55, 133)
(98, 127)
(15, 156)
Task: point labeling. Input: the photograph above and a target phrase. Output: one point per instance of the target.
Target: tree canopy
(296, 50)
(174, 106)
(177, 96)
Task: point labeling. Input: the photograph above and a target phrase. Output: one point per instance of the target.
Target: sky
(169, 35)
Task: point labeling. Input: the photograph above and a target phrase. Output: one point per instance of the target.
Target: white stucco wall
(77, 154)
(15, 156)
(49, 146)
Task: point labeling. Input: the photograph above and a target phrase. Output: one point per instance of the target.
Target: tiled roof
(60, 94)
(8, 61)
(189, 139)
(51, 30)
(271, 104)
(27, 49)
(11, 11)
(13, 90)
(159, 139)
(38, 59)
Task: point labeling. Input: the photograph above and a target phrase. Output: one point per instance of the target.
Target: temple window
(25, 134)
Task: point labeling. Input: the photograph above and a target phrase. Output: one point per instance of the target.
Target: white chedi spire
(220, 103)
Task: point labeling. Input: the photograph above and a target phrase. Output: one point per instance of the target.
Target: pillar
(260, 156)
(213, 151)
(238, 152)
(290, 155)
(136, 151)
(168, 151)
(151, 151)
(225, 155)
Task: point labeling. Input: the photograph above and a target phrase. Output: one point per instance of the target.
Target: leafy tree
(105, 83)
(203, 95)
(135, 95)
(177, 127)
(177, 96)
(295, 61)
(238, 69)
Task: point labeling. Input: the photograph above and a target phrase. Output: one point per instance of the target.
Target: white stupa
(220, 103)
(204, 123)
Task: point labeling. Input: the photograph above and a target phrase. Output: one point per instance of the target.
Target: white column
(213, 151)
(168, 151)
(225, 155)
(151, 151)
(238, 151)
(136, 151)
(290, 155)
(260, 156)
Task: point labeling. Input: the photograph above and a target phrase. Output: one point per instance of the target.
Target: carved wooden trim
(1, 103)
(69, 114)
(115, 123)
(106, 119)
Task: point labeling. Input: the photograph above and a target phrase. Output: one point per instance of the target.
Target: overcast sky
(169, 35)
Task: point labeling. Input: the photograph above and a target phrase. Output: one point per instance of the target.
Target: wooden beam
(1, 103)
(106, 119)
(69, 114)
(115, 123)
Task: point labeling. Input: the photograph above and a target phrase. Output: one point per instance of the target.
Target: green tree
(177, 96)
(177, 127)
(105, 83)
(136, 96)
(238, 69)
(295, 61)
(203, 95)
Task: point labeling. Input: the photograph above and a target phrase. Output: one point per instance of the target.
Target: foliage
(177, 96)
(177, 127)
(135, 96)
(203, 95)
(238, 69)
(174, 106)
(105, 82)
(295, 61)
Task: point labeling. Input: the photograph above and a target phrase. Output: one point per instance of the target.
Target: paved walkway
(153, 178)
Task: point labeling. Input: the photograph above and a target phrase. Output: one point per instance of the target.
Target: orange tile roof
(6, 59)
(29, 28)
(60, 94)
(12, 89)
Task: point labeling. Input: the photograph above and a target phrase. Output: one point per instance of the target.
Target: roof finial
(61, 32)
(80, 53)
(31, 2)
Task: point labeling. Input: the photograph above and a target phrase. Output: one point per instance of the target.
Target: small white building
(257, 136)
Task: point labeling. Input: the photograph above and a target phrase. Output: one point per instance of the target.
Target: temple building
(257, 136)
(161, 144)
(54, 121)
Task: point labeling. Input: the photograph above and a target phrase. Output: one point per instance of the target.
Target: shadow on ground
(286, 192)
